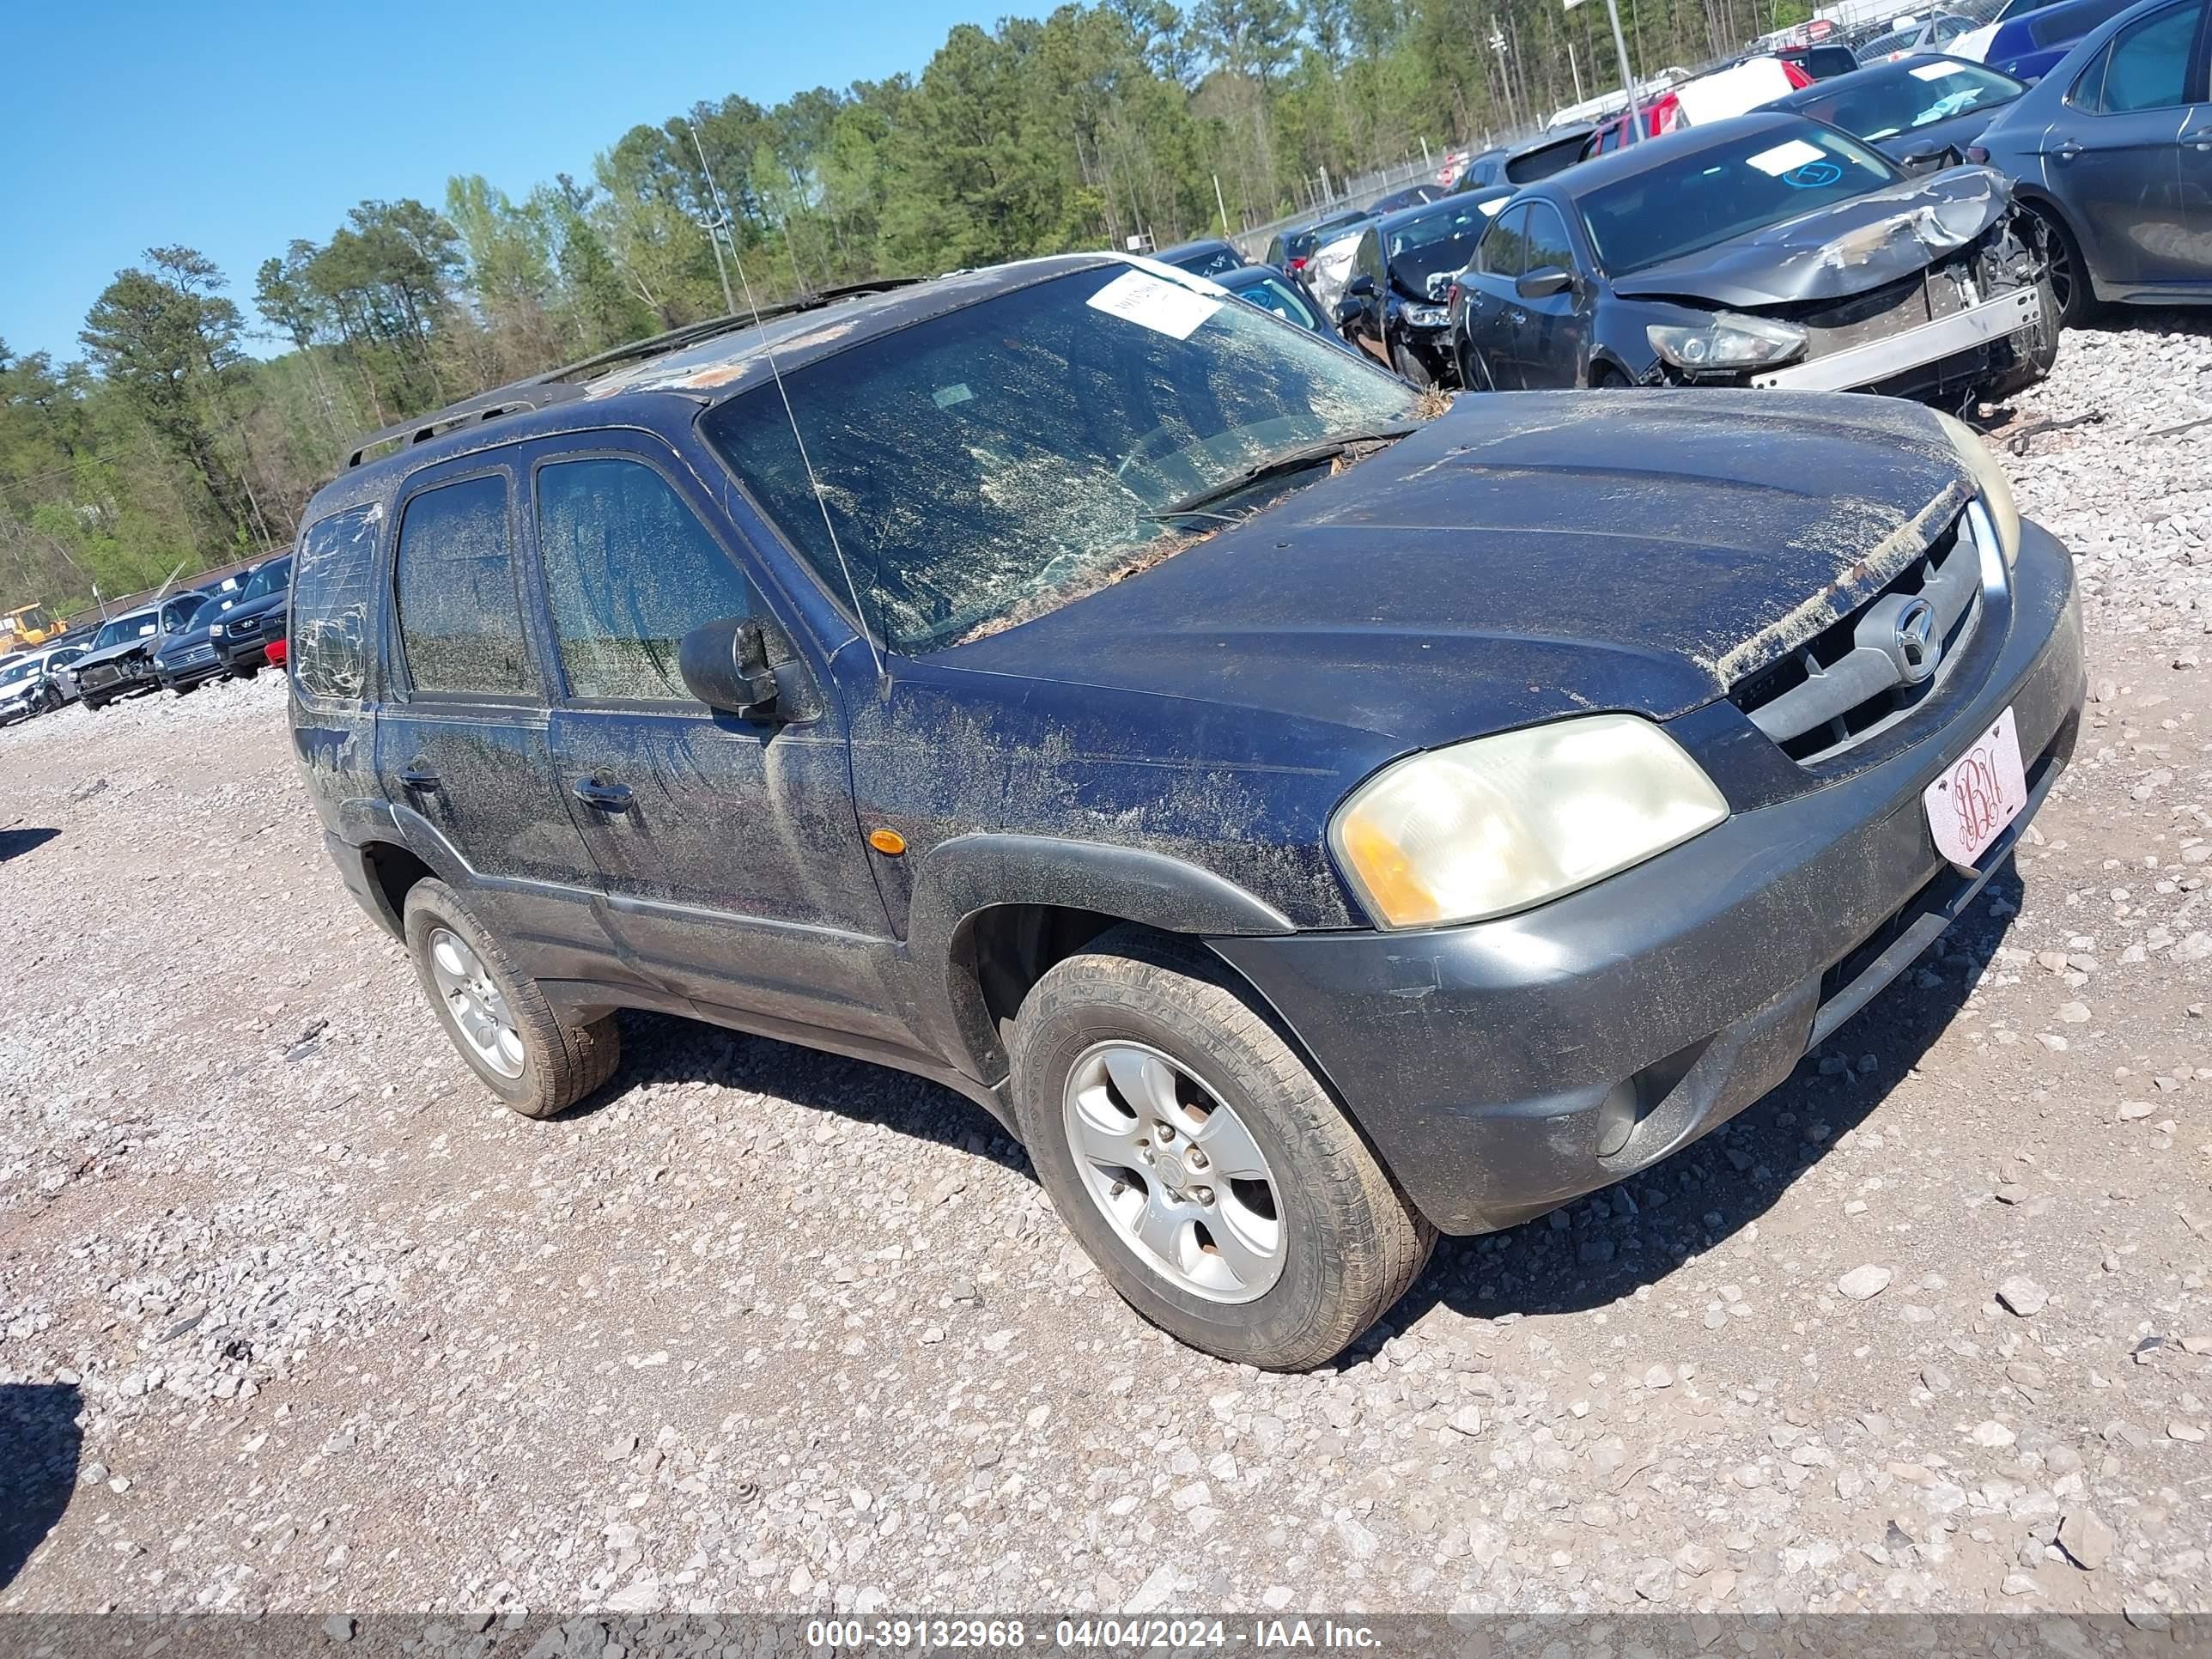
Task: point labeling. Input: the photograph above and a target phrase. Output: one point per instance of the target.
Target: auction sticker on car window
(1932, 72)
(1983, 791)
(1163, 306)
(1784, 157)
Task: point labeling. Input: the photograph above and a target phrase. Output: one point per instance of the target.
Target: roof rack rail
(560, 385)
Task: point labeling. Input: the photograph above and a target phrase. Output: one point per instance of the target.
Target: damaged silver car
(1766, 251)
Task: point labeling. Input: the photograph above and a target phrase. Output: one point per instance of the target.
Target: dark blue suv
(1308, 817)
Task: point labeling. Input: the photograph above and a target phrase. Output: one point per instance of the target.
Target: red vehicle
(1736, 90)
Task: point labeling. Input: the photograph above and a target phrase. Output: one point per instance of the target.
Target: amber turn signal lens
(887, 841)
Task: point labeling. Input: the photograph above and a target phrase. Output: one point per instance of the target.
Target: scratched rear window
(981, 464)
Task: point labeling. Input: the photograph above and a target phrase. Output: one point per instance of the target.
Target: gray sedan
(2112, 150)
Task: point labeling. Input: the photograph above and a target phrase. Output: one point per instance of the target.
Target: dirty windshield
(16, 671)
(987, 464)
(1912, 95)
(1710, 196)
(1437, 244)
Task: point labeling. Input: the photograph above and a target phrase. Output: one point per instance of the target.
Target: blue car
(2028, 45)
(2112, 150)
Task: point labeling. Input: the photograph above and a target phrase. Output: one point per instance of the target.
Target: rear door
(1490, 301)
(464, 740)
(2114, 155)
(729, 850)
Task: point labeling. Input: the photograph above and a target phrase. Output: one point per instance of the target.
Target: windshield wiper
(1283, 460)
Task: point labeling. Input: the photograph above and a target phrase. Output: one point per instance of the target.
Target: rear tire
(481, 1001)
(1319, 1243)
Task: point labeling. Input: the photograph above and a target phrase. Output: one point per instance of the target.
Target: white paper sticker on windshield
(1785, 157)
(1933, 71)
(1162, 307)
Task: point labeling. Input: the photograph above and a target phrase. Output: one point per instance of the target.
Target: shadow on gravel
(668, 1048)
(14, 843)
(39, 1444)
(1637, 1232)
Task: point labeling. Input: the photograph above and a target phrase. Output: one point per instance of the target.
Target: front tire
(1205, 1169)
(1411, 370)
(495, 1017)
(2068, 272)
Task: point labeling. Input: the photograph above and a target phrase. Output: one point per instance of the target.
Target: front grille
(197, 654)
(99, 674)
(1871, 669)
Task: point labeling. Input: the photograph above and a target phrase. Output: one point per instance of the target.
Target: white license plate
(1983, 791)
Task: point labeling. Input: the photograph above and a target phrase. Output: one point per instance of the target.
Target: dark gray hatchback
(1309, 821)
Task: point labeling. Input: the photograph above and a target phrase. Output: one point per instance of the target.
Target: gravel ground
(297, 1318)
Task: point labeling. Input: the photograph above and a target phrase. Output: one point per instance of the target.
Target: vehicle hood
(254, 609)
(1954, 133)
(1527, 555)
(175, 645)
(22, 690)
(1841, 250)
(144, 646)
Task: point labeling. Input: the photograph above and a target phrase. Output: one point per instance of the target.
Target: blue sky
(235, 127)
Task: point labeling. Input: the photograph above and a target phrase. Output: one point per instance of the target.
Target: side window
(329, 603)
(2148, 64)
(1368, 261)
(2089, 90)
(1548, 243)
(460, 627)
(1501, 250)
(630, 571)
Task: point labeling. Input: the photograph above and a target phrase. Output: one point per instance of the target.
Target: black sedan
(1915, 110)
(1766, 251)
(1394, 307)
(1209, 258)
(243, 634)
(2112, 148)
(121, 660)
(187, 659)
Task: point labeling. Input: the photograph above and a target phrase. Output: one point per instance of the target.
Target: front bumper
(1504, 1069)
(1877, 362)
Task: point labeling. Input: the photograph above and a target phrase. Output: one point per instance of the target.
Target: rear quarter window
(330, 586)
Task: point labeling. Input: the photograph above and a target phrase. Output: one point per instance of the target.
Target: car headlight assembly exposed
(1989, 482)
(1425, 316)
(1498, 824)
(1727, 342)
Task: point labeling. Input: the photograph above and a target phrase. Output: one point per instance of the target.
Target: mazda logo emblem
(1914, 645)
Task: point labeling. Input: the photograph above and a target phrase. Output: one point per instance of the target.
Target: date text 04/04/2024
(1133, 1634)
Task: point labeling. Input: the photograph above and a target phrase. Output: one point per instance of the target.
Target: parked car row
(1922, 225)
(178, 643)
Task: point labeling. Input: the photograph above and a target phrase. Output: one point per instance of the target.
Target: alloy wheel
(479, 1009)
(1175, 1172)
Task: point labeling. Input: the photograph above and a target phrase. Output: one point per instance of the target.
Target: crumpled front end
(1940, 294)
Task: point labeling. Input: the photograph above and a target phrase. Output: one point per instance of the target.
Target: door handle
(1518, 316)
(607, 797)
(2067, 151)
(418, 776)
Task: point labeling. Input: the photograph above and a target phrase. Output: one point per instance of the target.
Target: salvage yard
(294, 1315)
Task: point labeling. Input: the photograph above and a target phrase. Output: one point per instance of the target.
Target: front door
(464, 743)
(1490, 301)
(2115, 152)
(1552, 341)
(734, 867)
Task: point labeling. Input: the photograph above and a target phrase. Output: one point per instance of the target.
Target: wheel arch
(992, 912)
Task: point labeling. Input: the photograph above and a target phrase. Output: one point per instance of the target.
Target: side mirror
(1928, 158)
(724, 665)
(1361, 287)
(1544, 284)
(1348, 312)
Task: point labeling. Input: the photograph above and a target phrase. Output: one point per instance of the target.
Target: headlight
(214, 631)
(1501, 824)
(1990, 480)
(1727, 342)
(1425, 316)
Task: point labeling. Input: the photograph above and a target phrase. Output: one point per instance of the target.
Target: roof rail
(560, 385)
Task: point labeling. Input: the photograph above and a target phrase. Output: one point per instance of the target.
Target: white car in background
(37, 681)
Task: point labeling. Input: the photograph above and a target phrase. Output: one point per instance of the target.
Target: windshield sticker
(1932, 72)
(1165, 308)
(1783, 158)
(1814, 175)
(1490, 209)
(945, 395)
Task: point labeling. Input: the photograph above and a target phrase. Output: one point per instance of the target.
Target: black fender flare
(960, 879)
